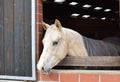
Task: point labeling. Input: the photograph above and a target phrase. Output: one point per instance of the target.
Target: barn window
(95, 19)
(17, 39)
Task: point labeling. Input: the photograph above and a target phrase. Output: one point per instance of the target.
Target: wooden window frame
(33, 49)
(91, 61)
(108, 61)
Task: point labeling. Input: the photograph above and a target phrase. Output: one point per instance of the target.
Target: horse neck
(75, 43)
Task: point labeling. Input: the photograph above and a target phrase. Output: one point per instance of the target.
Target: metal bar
(33, 32)
(16, 77)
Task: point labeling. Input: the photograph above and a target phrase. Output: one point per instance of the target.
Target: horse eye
(55, 43)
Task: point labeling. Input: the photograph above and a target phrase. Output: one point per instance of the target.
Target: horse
(60, 41)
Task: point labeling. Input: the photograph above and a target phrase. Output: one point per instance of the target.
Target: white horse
(59, 42)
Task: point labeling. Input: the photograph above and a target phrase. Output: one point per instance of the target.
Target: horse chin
(43, 71)
(47, 72)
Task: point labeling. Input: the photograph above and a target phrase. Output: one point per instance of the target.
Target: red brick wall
(76, 76)
(58, 76)
(39, 30)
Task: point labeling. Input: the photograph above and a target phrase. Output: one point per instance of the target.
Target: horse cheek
(63, 50)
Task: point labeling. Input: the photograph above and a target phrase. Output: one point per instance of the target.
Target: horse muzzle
(45, 70)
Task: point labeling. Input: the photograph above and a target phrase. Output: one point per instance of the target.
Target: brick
(89, 77)
(38, 18)
(37, 57)
(40, 40)
(39, 28)
(37, 53)
(50, 77)
(39, 9)
(110, 78)
(37, 48)
(69, 77)
(38, 31)
(38, 1)
(38, 76)
(38, 45)
(37, 37)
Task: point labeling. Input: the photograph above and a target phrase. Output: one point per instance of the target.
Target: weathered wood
(19, 36)
(8, 37)
(28, 62)
(1, 39)
(91, 61)
(15, 40)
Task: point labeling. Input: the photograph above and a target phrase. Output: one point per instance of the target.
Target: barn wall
(67, 75)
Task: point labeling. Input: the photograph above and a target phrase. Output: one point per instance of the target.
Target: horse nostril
(43, 68)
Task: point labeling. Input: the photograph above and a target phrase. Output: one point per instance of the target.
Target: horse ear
(58, 24)
(45, 25)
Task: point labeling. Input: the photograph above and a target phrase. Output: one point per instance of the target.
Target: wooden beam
(91, 61)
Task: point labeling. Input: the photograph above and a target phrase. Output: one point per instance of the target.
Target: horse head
(54, 46)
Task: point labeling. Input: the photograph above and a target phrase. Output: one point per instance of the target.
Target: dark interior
(98, 25)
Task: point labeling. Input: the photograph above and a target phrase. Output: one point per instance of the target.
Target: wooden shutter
(17, 39)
